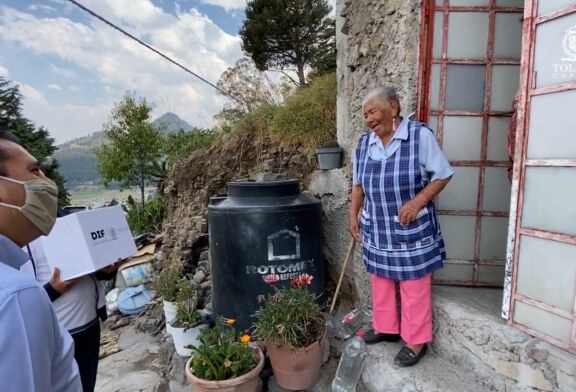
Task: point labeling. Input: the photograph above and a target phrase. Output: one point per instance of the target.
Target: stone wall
(377, 44)
(205, 174)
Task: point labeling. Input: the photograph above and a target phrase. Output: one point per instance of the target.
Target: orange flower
(230, 321)
(245, 338)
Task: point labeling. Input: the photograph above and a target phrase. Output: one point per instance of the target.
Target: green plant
(186, 313)
(289, 317)
(307, 118)
(221, 355)
(258, 122)
(180, 143)
(147, 219)
(186, 302)
(167, 283)
(172, 286)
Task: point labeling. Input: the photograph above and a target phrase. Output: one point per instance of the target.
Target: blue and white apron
(392, 250)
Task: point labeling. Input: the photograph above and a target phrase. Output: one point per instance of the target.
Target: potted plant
(292, 326)
(189, 321)
(223, 362)
(168, 283)
(329, 156)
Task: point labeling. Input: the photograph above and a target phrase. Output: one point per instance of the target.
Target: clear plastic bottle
(350, 366)
(358, 319)
(336, 328)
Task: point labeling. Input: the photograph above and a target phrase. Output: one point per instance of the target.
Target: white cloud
(41, 7)
(3, 71)
(228, 5)
(64, 72)
(141, 14)
(116, 63)
(54, 87)
(31, 94)
(75, 89)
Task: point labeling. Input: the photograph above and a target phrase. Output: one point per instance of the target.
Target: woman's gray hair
(384, 93)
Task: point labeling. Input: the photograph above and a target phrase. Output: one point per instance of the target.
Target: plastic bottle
(336, 328)
(350, 366)
(358, 318)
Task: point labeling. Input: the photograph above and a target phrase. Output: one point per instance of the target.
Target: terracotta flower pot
(296, 368)
(245, 383)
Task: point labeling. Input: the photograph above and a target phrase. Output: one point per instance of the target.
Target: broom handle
(342, 275)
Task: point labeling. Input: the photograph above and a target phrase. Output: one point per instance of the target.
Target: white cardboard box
(87, 241)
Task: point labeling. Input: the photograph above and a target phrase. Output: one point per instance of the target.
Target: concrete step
(470, 332)
(431, 374)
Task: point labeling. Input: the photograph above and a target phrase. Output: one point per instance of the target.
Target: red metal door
(543, 225)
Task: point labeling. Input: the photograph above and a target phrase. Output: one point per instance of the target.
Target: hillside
(77, 160)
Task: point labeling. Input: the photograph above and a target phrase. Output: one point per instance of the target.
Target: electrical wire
(94, 14)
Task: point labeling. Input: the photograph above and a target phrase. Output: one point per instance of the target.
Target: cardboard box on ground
(87, 241)
(138, 269)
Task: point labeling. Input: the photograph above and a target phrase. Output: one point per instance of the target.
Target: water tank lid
(264, 188)
(134, 300)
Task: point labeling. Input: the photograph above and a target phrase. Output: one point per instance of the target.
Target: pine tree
(282, 34)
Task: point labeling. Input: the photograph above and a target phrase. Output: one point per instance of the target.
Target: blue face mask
(41, 202)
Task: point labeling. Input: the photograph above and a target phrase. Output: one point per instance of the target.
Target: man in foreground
(37, 353)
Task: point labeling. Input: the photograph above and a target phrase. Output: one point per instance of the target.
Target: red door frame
(428, 9)
(527, 91)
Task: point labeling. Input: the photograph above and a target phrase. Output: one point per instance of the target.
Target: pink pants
(416, 302)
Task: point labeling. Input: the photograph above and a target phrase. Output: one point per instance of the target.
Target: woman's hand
(409, 211)
(355, 206)
(355, 229)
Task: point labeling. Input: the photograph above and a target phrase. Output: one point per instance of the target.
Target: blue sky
(71, 67)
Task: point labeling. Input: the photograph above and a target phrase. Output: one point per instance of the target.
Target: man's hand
(60, 285)
(409, 211)
(112, 268)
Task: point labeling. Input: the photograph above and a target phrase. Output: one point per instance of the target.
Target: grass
(307, 118)
(95, 194)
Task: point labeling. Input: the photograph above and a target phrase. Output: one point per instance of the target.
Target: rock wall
(204, 174)
(377, 43)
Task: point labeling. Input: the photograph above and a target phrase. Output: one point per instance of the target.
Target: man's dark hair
(8, 136)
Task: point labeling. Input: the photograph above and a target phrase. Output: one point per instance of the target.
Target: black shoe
(373, 337)
(407, 357)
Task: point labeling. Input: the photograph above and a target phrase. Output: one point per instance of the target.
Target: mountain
(169, 123)
(77, 159)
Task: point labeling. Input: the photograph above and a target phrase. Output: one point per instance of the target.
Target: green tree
(36, 140)
(324, 61)
(283, 34)
(10, 102)
(131, 144)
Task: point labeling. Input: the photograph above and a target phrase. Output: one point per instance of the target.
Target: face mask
(41, 202)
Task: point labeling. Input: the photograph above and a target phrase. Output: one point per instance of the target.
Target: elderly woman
(398, 170)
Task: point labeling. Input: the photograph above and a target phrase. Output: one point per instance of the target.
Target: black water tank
(262, 228)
